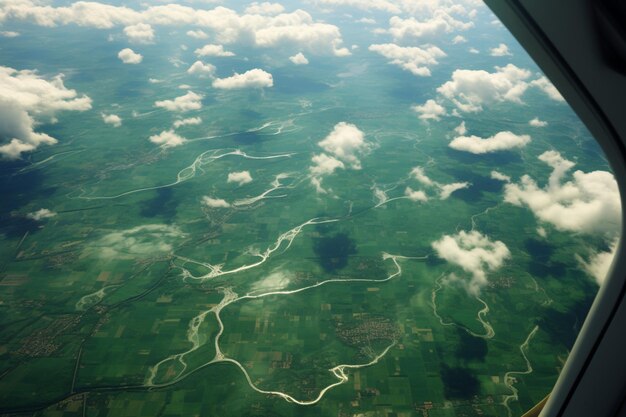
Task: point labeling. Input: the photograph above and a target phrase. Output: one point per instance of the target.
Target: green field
(283, 296)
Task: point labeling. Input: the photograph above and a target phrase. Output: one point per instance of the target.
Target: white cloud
(441, 22)
(112, 119)
(201, 69)
(431, 110)
(410, 58)
(154, 81)
(187, 122)
(297, 28)
(461, 129)
(139, 33)
(588, 203)
(541, 231)
(474, 253)
(189, 101)
(128, 56)
(317, 183)
(41, 214)
(213, 50)
(147, 241)
(265, 8)
(241, 177)
(600, 262)
(414, 195)
(500, 176)
(274, 281)
(446, 190)
(9, 34)
(325, 165)
(301, 32)
(378, 5)
(500, 50)
(25, 99)
(254, 78)
(501, 141)
(167, 139)
(197, 34)
(367, 21)
(215, 202)
(469, 90)
(419, 175)
(473, 51)
(346, 142)
(537, 123)
(546, 86)
(459, 39)
(422, 8)
(299, 59)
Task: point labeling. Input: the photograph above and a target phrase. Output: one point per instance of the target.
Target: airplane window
(326, 207)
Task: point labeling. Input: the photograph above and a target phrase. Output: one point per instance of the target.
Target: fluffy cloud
(213, 50)
(537, 123)
(500, 176)
(346, 142)
(419, 175)
(474, 253)
(187, 122)
(588, 203)
(325, 165)
(374, 5)
(41, 214)
(9, 34)
(128, 56)
(309, 36)
(600, 262)
(139, 33)
(299, 59)
(367, 21)
(241, 178)
(167, 139)
(147, 241)
(415, 195)
(546, 86)
(441, 22)
(112, 119)
(469, 90)
(197, 34)
(444, 190)
(215, 202)
(227, 26)
(501, 141)
(189, 101)
(201, 69)
(422, 8)
(459, 39)
(265, 8)
(431, 110)
(500, 50)
(413, 59)
(461, 129)
(254, 78)
(25, 99)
